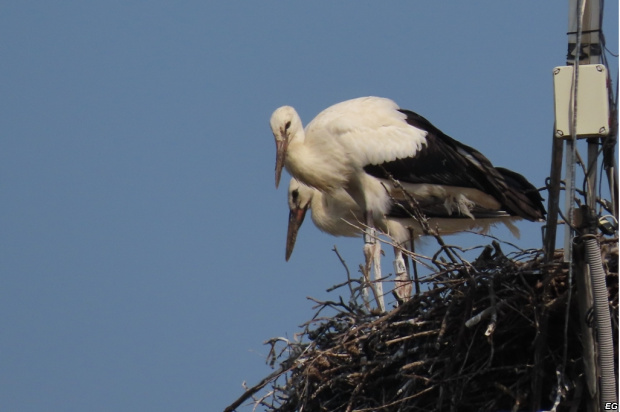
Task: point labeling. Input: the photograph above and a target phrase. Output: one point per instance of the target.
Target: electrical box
(592, 101)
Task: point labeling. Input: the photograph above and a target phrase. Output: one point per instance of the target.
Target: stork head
(299, 199)
(285, 125)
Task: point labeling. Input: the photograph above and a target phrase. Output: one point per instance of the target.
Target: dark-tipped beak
(280, 155)
(295, 219)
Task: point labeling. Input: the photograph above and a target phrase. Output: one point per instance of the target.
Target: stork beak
(295, 219)
(281, 146)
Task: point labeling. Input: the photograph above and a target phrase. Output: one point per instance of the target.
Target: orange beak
(281, 146)
(295, 219)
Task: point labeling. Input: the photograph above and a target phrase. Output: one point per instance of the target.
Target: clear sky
(141, 236)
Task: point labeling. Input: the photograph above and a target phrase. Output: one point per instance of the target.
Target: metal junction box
(592, 101)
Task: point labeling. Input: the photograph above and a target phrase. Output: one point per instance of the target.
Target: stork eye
(295, 195)
(287, 125)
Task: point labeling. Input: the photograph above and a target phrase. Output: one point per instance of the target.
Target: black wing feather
(446, 161)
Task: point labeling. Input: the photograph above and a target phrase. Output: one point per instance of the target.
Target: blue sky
(142, 244)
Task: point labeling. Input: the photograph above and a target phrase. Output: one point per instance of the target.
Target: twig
(284, 367)
(346, 268)
(490, 311)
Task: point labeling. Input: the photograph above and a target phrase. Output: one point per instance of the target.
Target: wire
(570, 167)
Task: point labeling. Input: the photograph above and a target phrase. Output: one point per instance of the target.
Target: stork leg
(416, 280)
(378, 280)
(372, 253)
(402, 281)
(407, 265)
(366, 285)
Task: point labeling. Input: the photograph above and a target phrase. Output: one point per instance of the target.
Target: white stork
(339, 215)
(335, 213)
(358, 144)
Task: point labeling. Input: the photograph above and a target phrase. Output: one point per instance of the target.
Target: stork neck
(298, 159)
(308, 167)
(318, 162)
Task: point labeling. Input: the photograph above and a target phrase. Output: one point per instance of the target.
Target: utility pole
(583, 109)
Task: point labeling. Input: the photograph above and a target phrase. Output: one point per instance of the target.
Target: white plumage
(368, 130)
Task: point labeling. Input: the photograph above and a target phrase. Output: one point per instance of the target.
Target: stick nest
(492, 335)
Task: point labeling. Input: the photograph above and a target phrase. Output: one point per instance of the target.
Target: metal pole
(586, 19)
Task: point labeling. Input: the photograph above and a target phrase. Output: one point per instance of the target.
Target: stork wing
(445, 161)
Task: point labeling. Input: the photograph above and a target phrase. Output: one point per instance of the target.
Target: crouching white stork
(359, 144)
(339, 215)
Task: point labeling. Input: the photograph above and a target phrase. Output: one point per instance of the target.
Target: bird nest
(499, 333)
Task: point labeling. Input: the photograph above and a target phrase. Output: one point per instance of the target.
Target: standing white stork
(339, 215)
(357, 145)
